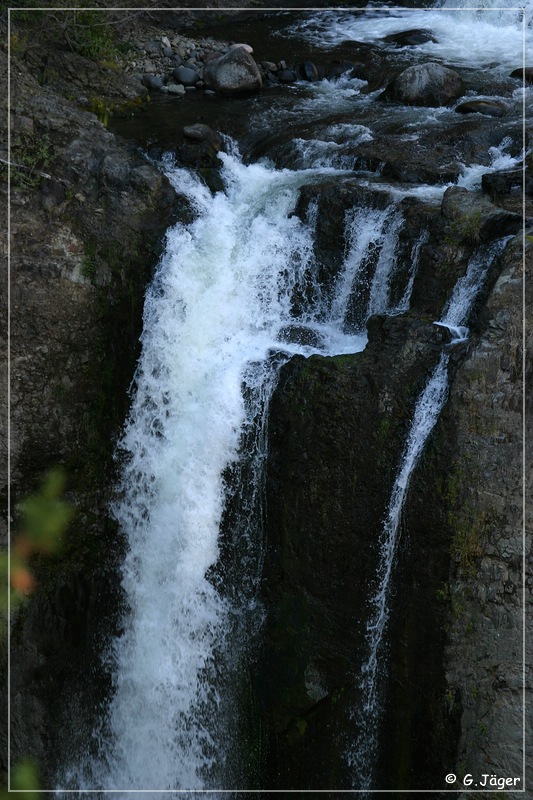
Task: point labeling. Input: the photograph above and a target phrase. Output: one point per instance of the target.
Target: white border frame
(522, 11)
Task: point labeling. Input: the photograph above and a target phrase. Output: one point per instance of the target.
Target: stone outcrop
(337, 429)
(489, 597)
(478, 218)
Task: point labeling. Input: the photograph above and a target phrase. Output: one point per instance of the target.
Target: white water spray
(217, 309)
(370, 262)
(467, 33)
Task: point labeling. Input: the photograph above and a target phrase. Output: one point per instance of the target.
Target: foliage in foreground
(44, 519)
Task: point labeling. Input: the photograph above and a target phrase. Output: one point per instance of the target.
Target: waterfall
(361, 757)
(362, 287)
(217, 326)
(493, 11)
(218, 309)
(221, 293)
(405, 300)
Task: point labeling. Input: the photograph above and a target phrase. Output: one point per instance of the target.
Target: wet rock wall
(453, 697)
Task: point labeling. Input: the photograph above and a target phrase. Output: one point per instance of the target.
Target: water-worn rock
(428, 84)
(176, 88)
(203, 133)
(308, 71)
(411, 38)
(186, 76)
(153, 82)
(287, 75)
(234, 72)
(491, 108)
(524, 73)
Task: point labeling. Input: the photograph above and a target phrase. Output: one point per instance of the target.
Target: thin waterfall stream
(239, 292)
(427, 410)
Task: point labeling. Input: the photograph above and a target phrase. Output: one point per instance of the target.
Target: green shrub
(30, 155)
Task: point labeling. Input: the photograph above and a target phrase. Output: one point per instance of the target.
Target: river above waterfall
(316, 237)
(262, 122)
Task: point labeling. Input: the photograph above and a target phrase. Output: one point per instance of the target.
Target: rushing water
(220, 318)
(497, 43)
(220, 304)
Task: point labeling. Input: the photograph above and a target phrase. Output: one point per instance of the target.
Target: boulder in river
(287, 75)
(506, 181)
(428, 84)
(234, 72)
(308, 71)
(203, 133)
(411, 38)
(491, 108)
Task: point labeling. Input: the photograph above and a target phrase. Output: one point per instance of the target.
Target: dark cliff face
(483, 489)
(86, 224)
(337, 429)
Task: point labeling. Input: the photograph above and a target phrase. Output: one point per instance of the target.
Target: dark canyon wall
(454, 693)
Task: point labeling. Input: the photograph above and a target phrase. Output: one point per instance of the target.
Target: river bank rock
(428, 84)
(186, 76)
(235, 72)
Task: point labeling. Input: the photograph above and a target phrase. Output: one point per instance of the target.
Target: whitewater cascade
(219, 307)
(486, 34)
